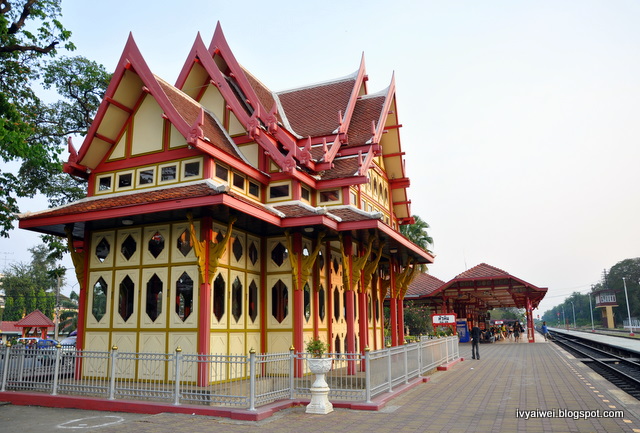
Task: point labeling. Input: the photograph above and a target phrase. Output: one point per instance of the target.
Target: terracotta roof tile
(295, 210)
(93, 204)
(349, 214)
(368, 109)
(343, 167)
(423, 285)
(483, 271)
(35, 319)
(189, 109)
(9, 327)
(313, 111)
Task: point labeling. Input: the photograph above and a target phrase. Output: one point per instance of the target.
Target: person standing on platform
(475, 342)
(544, 330)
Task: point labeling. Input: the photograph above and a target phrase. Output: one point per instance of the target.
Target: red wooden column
(328, 309)
(393, 306)
(204, 305)
(529, 315)
(298, 301)
(350, 301)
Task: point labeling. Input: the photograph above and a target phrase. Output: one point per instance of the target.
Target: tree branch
(26, 11)
(25, 48)
(4, 6)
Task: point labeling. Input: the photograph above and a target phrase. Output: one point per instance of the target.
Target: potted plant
(319, 365)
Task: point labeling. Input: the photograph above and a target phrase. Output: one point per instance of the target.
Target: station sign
(443, 319)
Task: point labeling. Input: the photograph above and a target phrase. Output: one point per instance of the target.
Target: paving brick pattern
(473, 396)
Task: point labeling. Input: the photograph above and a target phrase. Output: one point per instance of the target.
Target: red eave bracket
(399, 183)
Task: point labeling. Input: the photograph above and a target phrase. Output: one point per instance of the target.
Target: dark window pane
(99, 301)
(154, 297)
(321, 303)
(104, 184)
(336, 303)
(237, 249)
(238, 181)
(253, 301)
(278, 191)
(184, 296)
(331, 195)
(156, 244)
(128, 247)
(222, 172)
(253, 253)
(279, 254)
(254, 189)
(124, 180)
(219, 288)
(125, 298)
(305, 194)
(168, 173)
(192, 169)
(279, 301)
(145, 177)
(236, 299)
(307, 302)
(102, 250)
(184, 242)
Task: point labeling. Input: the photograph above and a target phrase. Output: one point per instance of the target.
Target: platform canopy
(483, 288)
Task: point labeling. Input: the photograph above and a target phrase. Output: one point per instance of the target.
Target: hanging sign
(443, 319)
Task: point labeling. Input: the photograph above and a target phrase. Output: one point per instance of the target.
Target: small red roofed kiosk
(35, 320)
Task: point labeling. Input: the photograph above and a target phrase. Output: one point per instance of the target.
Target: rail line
(619, 366)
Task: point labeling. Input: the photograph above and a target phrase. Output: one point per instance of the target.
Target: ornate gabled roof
(35, 319)
(131, 80)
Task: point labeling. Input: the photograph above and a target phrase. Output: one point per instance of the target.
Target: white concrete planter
(320, 403)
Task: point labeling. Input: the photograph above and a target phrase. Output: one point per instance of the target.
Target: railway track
(622, 368)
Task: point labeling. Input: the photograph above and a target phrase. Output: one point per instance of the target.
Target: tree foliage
(417, 233)
(33, 132)
(629, 269)
(31, 286)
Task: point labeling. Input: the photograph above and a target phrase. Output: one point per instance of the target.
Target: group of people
(493, 334)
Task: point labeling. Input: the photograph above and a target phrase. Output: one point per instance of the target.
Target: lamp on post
(564, 319)
(573, 307)
(626, 297)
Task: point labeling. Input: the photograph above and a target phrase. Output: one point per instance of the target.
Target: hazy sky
(520, 119)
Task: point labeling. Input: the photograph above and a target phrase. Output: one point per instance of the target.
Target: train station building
(222, 217)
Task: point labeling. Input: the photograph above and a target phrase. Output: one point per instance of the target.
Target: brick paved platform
(473, 396)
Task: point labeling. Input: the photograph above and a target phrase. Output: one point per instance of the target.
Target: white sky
(520, 119)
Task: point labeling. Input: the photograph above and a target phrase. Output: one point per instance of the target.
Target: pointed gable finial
(196, 131)
(304, 155)
(272, 119)
(73, 153)
(253, 125)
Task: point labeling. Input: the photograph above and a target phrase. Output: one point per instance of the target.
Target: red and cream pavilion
(475, 292)
(221, 216)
